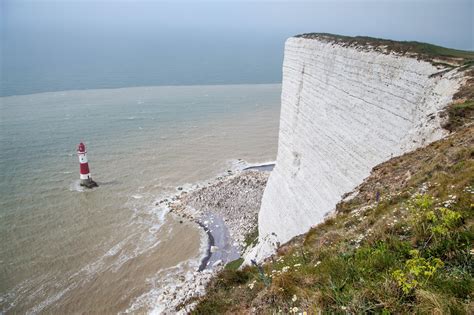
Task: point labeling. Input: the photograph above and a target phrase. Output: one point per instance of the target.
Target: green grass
(235, 264)
(251, 238)
(363, 259)
(424, 50)
(459, 114)
(433, 50)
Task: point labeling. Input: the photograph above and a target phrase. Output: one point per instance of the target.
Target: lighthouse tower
(85, 175)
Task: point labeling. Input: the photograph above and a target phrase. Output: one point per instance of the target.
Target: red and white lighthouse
(85, 175)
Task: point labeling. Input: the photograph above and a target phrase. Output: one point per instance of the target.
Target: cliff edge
(347, 105)
(401, 241)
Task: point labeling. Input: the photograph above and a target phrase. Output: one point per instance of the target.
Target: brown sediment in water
(59, 238)
(123, 281)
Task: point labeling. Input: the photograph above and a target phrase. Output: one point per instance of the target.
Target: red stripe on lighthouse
(85, 168)
(81, 152)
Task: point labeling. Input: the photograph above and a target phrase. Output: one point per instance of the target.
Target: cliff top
(435, 54)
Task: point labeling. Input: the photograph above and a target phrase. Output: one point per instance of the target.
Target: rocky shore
(235, 198)
(227, 209)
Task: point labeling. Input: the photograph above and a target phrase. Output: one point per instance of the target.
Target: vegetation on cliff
(436, 54)
(402, 242)
(461, 111)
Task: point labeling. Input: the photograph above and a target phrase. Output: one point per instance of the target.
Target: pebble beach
(227, 210)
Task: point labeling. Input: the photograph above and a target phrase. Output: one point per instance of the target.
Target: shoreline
(226, 210)
(221, 248)
(229, 199)
(210, 243)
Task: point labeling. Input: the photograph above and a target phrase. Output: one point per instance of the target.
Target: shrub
(234, 265)
(417, 271)
(442, 220)
(428, 220)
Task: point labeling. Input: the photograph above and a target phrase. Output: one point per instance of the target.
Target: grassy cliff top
(423, 51)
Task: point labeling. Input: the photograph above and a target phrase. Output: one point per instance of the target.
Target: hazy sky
(448, 22)
(64, 44)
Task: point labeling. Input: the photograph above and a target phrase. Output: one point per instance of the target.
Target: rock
(345, 109)
(217, 263)
(88, 183)
(214, 249)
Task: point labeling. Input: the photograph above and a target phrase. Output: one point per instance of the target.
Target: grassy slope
(349, 263)
(409, 251)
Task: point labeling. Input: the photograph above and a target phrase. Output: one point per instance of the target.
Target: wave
(171, 282)
(146, 221)
(148, 217)
(76, 186)
(175, 285)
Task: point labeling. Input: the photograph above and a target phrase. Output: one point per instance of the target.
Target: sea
(164, 95)
(66, 249)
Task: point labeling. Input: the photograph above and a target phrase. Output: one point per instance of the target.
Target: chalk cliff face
(344, 110)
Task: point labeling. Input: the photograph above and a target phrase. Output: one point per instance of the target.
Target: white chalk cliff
(344, 109)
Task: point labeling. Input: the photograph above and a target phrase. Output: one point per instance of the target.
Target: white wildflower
(294, 298)
(252, 284)
(317, 263)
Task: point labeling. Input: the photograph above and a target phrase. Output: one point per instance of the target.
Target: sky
(44, 39)
(448, 22)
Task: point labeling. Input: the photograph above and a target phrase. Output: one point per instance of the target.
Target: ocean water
(65, 249)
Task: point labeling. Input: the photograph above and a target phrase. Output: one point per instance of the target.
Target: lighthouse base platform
(88, 183)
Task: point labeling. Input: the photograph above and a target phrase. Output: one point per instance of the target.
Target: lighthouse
(85, 175)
